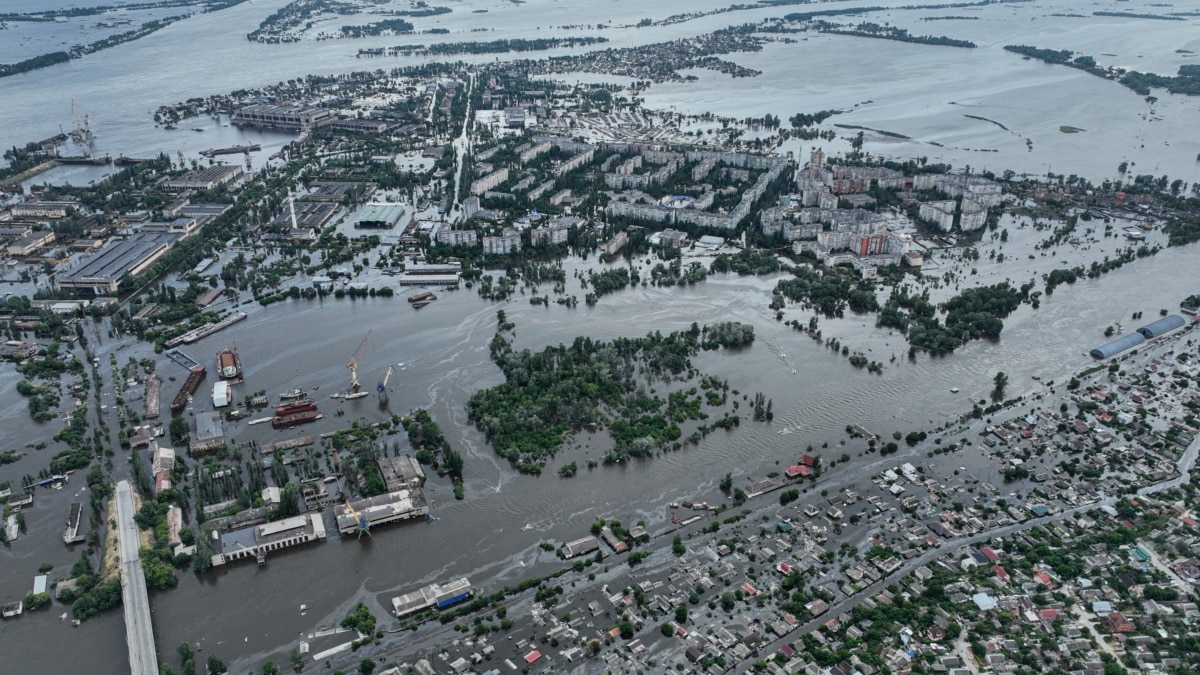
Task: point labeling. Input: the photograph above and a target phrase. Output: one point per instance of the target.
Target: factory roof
(117, 258)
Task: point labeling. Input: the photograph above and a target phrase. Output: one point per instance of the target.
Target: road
(139, 633)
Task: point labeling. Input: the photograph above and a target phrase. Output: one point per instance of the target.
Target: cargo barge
(303, 405)
(288, 421)
(189, 387)
(232, 150)
(204, 331)
(425, 297)
(229, 365)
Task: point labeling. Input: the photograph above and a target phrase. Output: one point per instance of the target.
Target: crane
(360, 523)
(382, 389)
(353, 365)
(83, 126)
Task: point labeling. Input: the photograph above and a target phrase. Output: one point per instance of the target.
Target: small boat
(197, 129)
(954, 390)
(292, 393)
(170, 127)
(357, 394)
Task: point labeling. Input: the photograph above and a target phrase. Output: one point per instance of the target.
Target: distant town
(1052, 531)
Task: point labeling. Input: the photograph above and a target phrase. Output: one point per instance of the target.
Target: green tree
(269, 668)
(184, 650)
(1001, 381)
(366, 666)
(215, 665)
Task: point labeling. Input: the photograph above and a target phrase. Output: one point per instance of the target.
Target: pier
(205, 331)
(181, 358)
(139, 632)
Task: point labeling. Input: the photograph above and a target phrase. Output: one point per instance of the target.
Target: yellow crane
(361, 524)
(353, 365)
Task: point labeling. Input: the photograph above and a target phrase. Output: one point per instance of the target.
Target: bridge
(139, 633)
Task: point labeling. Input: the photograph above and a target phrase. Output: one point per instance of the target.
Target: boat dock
(153, 392)
(204, 331)
(181, 358)
(286, 445)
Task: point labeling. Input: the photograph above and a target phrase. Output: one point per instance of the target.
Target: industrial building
(1162, 326)
(308, 215)
(379, 216)
(418, 269)
(337, 191)
(1117, 346)
(102, 272)
(584, 546)
(397, 505)
(259, 540)
(431, 596)
(30, 243)
(427, 279)
(51, 210)
(74, 534)
(289, 117)
(400, 472)
(205, 179)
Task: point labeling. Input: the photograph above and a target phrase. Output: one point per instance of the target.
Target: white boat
(292, 393)
(954, 390)
(357, 394)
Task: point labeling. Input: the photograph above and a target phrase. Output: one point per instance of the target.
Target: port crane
(361, 524)
(353, 365)
(82, 133)
(382, 389)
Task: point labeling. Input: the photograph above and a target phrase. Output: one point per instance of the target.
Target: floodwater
(244, 613)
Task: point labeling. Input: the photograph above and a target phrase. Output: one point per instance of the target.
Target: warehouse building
(289, 117)
(379, 216)
(1117, 346)
(102, 272)
(1162, 326)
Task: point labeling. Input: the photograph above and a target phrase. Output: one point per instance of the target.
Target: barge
(288, 421)
(229, 365)
(303, 405)
(195, 376)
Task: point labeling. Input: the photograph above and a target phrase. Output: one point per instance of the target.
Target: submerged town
(1047, 525)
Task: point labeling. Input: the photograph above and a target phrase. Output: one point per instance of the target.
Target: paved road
(139, 633)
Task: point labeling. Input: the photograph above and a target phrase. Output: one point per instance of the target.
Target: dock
(286, 445)
(204, 331)
(29, 173)
(181, 358)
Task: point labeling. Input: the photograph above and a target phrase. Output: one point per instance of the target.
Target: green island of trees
(550, 394)
(1186, 81)
(974, 314)
(874, 30)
